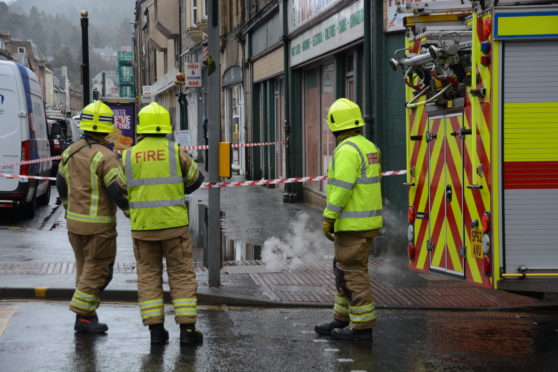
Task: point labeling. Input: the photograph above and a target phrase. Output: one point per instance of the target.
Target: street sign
(193, 74)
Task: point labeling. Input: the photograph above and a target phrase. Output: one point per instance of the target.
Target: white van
(23, 136)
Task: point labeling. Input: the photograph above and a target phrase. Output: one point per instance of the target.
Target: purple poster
(124, 125)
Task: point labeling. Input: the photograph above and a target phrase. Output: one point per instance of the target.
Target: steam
(302, 245)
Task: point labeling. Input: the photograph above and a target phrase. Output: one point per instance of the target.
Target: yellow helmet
(97, 117)
(154, 119)
(344, 114)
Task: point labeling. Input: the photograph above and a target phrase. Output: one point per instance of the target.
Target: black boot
(189, 335)
(326, 328)
(89, 324)
(159, 335)
(352, 334)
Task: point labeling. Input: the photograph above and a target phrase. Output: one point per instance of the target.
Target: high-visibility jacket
(87, 170)
(354, 197)
(156, 184)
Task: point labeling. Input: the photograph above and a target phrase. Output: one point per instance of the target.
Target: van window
(39, 119)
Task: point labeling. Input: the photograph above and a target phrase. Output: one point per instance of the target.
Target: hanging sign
(193, 74)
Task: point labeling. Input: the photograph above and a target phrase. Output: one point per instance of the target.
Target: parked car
(23, 136)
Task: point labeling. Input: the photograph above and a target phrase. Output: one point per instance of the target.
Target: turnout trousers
(182, 279)
(95, 256)
(353, 302)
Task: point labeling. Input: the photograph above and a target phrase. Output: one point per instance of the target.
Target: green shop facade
(301, 56)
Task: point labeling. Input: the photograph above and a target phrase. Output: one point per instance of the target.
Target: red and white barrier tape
(5, 175)
(203, 147)
(43, 160)
(282, 180)
(208, 185)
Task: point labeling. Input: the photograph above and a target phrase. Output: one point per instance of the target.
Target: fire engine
(482, 140)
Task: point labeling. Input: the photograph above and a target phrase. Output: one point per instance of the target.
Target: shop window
(319, 143)
(194, 12)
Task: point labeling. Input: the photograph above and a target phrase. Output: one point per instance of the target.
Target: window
(1, 44)
(350, 90)
(21, 50)
(194, 12)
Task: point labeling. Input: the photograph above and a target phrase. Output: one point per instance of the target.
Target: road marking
(331, 350)
(6, 313)
(307, 332)
(341, 360)
(320, 340)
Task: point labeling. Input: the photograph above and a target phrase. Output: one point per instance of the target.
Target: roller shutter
(530, 149)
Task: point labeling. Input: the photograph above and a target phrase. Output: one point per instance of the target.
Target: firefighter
(158, 175)
(351, 219)
(90, 182)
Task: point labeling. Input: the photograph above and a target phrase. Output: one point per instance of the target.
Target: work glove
(328, 228)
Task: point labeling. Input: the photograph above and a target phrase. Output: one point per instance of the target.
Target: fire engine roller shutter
(530, 147)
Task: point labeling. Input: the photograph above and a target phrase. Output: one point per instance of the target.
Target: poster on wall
(122, 137)
(393, 20)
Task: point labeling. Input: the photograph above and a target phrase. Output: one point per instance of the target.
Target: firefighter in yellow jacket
(158, 175)
(352, 218)
(90, 182)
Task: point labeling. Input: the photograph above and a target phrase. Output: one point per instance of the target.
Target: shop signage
(165, 82)
(193, 75)
(344, 27)
(393, 19)
(302, 11)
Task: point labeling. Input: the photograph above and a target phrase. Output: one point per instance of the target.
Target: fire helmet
(97, 117)
(154, 119)
(344, 114)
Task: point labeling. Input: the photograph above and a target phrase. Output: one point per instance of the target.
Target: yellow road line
(6, 313)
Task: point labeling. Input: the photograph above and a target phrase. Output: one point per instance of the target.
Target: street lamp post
(85, 56)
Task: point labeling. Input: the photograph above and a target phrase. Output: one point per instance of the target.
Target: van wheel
(45, 198)
(28, 209)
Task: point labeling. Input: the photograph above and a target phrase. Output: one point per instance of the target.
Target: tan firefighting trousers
(182, 279)
(354, 302)
(94, 264)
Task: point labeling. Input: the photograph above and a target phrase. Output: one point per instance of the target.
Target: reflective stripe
(362, 318)
(158, 203)
(94, 184)
(185, 313)
(95, 219)
(339, 183)
(334, 208)
(185, 301)
(191, 171)
(172, 159)
(85, 296)
(86, 116)
(110, 175)
(106, 119)
(82, 305)
(341, 300)
(363, 214)
(150, 303)
(152, 313)
(362, 309)
(368, 180)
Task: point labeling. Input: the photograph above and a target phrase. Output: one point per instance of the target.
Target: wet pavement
(38, 337)
(294, 270)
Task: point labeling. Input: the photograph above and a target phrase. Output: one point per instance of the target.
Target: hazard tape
(208, 185)
(278, 181)
(203, 147)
